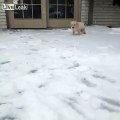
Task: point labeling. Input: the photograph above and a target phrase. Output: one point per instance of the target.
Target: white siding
(105, 13)
(2, 16)
(84, 10)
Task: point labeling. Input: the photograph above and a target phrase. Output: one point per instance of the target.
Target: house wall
(2, 16)
(105, 13)
(84, 11)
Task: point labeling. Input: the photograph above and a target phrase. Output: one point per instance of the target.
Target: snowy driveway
(53, 75)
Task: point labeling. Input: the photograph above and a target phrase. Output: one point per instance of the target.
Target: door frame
(62, 23)
(28, 23)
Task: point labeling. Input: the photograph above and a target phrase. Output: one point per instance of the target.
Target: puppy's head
(73, 24)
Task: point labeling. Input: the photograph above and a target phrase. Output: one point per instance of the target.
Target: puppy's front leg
(73, 32)
(84, 32)
(79, 32)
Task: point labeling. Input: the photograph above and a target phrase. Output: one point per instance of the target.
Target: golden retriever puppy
(78, 28)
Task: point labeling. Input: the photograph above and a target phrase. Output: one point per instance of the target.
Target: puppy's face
(73, 24)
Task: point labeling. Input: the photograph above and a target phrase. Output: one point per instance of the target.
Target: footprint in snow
(8, 118)
(20, 108)
(87, 83)
(34, 49)
(108, 108)
(5, 62)
(75, 65)
(41, 86)
(33, 71)
(103, 78)
(2, 104)
(62, 57)
(110, 101)
(20, 92)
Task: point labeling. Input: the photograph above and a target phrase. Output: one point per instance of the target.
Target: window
(61, 9)
(33, 11)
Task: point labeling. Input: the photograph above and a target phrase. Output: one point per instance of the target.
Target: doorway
(44, 13)
(60, 13)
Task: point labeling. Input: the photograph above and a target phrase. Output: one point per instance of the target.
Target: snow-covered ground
(53, 75)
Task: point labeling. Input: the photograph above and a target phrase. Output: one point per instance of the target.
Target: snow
(53, 75)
